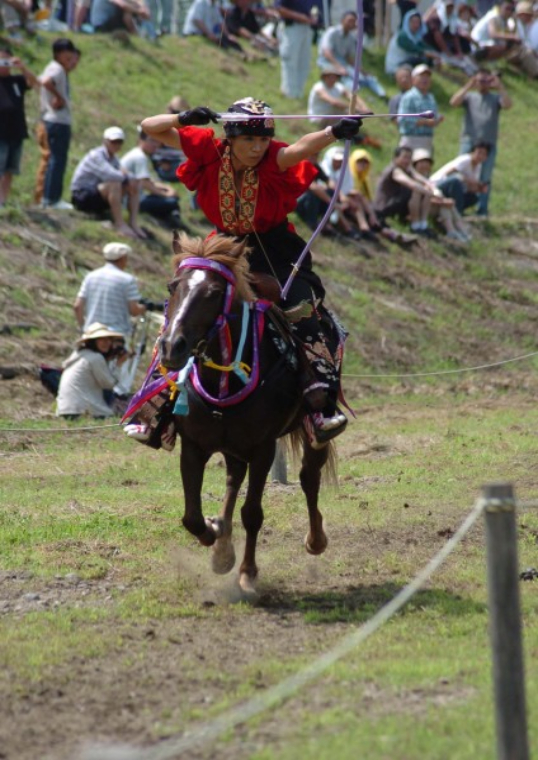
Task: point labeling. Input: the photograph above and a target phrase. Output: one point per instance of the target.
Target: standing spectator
(329, 96)
(56, 116)
(337, 48)
(402, 192)
(110, 294)
(87, 373)
(161, 12)
(404, 81)
(13, 130)
(100, 184)
(418, 133)
(156, 198)
(299, 18)
(481, 122)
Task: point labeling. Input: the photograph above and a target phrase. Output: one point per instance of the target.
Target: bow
(330, 207)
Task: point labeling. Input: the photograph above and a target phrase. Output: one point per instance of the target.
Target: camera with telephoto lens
(118, 349)
(151, 305)
(4, 62)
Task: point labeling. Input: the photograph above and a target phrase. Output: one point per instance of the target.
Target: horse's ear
(176, 245)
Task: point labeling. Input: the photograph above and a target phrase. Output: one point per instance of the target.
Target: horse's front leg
(310, 477)
(252, 513)
(223, 558)
(193, 462)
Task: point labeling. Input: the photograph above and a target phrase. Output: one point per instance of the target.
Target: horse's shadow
(359, 603)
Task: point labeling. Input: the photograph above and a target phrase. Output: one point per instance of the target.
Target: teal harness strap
(241, 374)
(181, 406)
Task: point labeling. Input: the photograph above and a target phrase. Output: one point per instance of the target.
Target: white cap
(113, 133)
(115, 251)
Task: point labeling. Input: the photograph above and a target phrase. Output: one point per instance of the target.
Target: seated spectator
(13, 129)
(89, 372)
(204, 18)
(418, 133)
(527, 31)
(404, 193)
(497, 37)
(329, 96)
(15, 17)
(408, 45)
(460, 178)
(312, 205)
(100, 184)
(344, 217)
(404, 82)
(242, 22)
(441, 20)
(166, 160)
(111, 15)
(443, 208)
(156, 198)
(337, 48)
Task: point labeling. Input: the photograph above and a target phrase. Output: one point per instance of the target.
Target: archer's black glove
(197, 117)
(346, 129)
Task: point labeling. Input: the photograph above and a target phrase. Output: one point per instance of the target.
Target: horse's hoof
(216, 524)
(223, 557)
(248, 589)
(319, 548)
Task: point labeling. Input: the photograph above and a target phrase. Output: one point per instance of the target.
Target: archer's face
(248, 150)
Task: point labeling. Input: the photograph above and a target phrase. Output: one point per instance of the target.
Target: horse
(238, 408)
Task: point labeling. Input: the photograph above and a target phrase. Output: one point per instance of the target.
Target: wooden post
(505, 622)
(279, 470)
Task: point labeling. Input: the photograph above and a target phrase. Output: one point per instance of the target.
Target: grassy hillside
(432, 307)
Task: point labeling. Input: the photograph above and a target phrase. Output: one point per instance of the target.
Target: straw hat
(98, 330)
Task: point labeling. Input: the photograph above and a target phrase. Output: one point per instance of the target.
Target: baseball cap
(421, 154)
(113, 133)
(115, 251)
(421, 69)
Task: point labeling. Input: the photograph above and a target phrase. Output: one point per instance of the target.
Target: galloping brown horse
(243, 394)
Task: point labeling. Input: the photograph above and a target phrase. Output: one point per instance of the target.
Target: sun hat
(115, 251)
(255, 127)
(337, 154)
(113, 133)
(330, 70)
(524, 7)
(421, 154)
(421, 69)
(98, 330)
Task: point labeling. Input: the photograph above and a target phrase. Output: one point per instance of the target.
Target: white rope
(275, 694)
(61, 430)
(451, 371)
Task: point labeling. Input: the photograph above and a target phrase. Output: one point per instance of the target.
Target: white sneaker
(137, 431)
(61, 206)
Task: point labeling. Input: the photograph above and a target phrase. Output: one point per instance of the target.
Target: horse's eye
(172, 286)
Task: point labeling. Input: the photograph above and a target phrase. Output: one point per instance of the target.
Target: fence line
(169, 749)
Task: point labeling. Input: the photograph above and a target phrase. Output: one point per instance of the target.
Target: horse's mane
(228, 251)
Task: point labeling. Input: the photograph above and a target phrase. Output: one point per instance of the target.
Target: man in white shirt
(460, 178)
(156, 198)
(329, 96)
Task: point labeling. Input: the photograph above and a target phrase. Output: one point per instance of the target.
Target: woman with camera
(89, 372)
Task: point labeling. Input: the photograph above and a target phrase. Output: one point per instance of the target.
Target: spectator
(55, 106)
(166, 160)
(496, 37)
(100, 184)
(15, 15)
(418, 133)
(161, 12)
(408, 45)
(300, 18)
(156, 198)
(525, 24)
(460, 178)
(311, 206)
(87, 373)
(204, 18)
(109, 294)
(111, 15)
(481, 122)
(402, 192)
(337, 49)
(443, 205)
(13, 129)
(404, 81)
(329, 96)
(442, 22)
(350, 202)
(242, 22)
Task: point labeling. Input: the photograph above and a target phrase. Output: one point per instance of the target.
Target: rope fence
(211, 730)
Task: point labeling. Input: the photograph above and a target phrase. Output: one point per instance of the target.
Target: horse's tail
(295, 442)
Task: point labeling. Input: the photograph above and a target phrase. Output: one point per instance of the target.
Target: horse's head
(209, 276)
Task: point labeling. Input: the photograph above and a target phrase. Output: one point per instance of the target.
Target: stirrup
(321, 430)
(138, 431)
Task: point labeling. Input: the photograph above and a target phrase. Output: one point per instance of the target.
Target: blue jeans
(453, 187)
(159, 205)
(59, 137)
(486, 173)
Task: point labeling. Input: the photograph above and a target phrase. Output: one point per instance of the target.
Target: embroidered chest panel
(237, 205)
